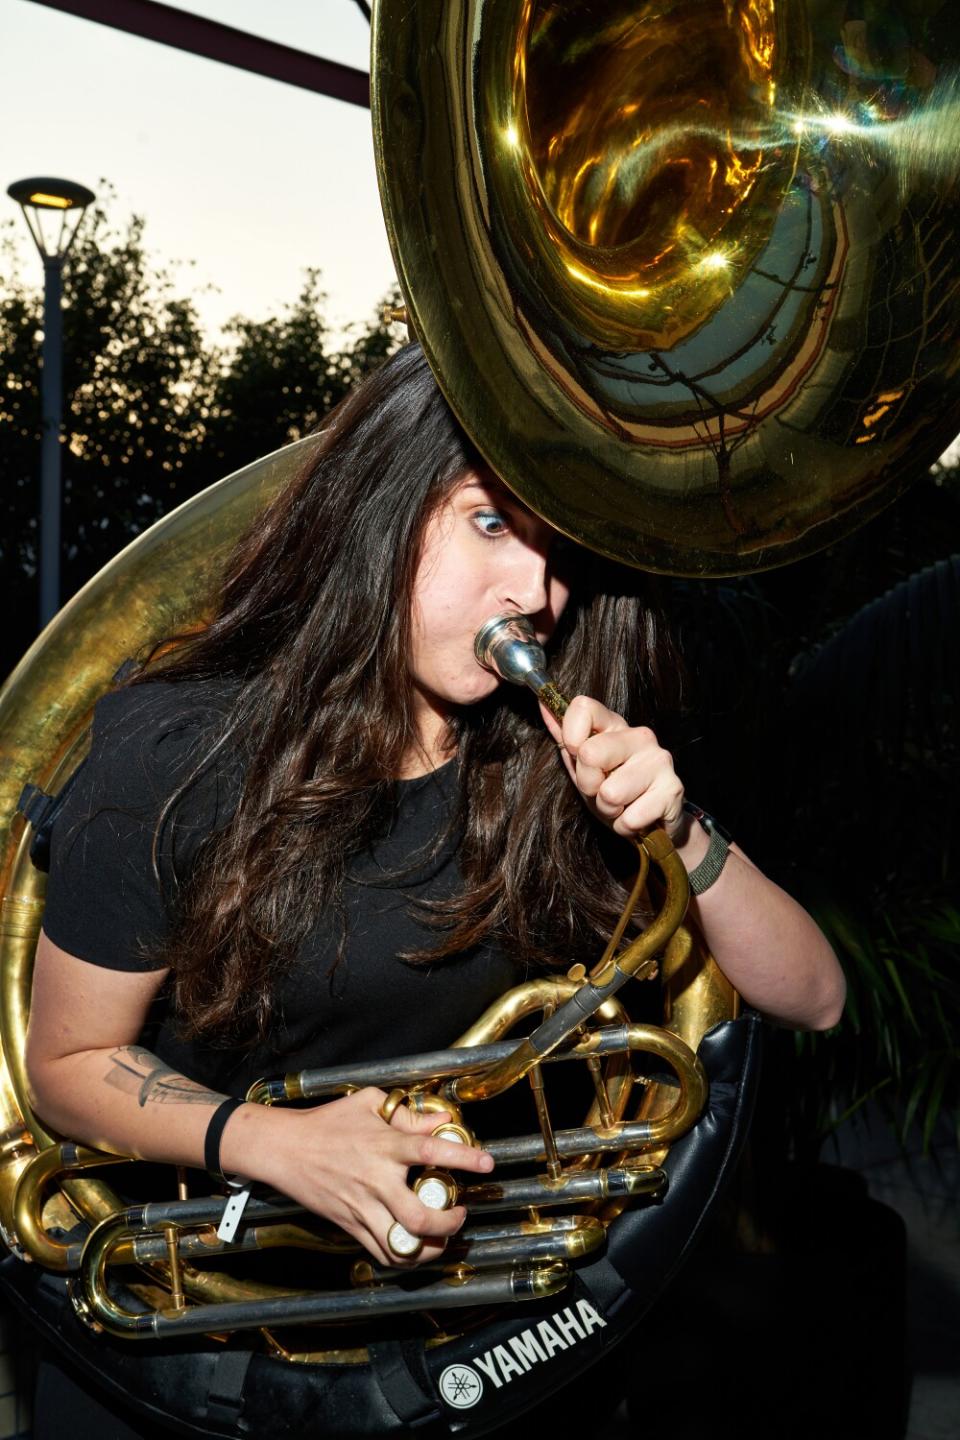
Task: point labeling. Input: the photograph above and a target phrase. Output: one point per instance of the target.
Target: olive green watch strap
(702, 876)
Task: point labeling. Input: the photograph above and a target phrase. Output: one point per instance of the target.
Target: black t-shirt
(106, 905)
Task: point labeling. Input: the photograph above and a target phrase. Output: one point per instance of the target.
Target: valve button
(456, 1134)
(401, 1242)
(435, 1191)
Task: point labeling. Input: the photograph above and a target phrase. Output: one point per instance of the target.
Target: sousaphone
(687, 275)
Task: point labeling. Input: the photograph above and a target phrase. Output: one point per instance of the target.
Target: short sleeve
(114, 867)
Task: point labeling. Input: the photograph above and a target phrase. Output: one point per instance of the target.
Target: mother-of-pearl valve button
(435, 1189)
(401, 1242)
(455, 1134)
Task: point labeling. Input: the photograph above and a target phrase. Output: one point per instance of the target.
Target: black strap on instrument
(225, 1396)
(401, 1373)
(40, 810)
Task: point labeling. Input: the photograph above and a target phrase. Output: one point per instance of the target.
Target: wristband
(704, 874)
(215, 1129)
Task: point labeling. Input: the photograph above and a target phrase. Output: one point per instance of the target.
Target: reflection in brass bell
(687, 271)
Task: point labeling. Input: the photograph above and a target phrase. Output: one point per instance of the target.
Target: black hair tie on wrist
(215, 1129)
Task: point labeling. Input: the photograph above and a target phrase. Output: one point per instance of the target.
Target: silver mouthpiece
(508, 646)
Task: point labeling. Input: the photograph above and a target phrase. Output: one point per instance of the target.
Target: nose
(524, 583)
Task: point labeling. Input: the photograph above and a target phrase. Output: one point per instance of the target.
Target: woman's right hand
(345, 1162)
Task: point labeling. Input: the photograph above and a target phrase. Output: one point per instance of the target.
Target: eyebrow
(498, 489)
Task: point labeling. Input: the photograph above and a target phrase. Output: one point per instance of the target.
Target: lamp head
(42, 199)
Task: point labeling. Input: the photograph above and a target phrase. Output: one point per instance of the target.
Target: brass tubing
(52, 1164)
(541, 996)
(573, 1144)
(688, 1101)
(546, 1125)
(589, 997)
(174, 1267)
(96, 1303)
(150, 1248)
(529, 1244)
(633, 900)
(116, 1241)
(570, 1188)
(605, 1109)
(434, 1066)
(208, 1209)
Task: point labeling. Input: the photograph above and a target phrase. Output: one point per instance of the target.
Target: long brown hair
(311, 642)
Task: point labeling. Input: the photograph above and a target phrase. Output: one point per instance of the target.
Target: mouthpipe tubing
(431, 1066)
(508, 646)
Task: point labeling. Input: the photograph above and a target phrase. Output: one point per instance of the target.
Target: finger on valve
(437, 1190)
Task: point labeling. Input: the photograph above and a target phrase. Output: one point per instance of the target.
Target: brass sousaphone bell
(687, 275)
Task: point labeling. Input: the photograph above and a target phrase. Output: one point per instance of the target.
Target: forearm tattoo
(136, 1071)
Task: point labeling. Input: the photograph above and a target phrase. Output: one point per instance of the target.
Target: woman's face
(483, 554)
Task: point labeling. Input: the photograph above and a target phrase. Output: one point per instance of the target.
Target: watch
(704, 874)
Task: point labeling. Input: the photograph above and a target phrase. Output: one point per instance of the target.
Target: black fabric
(399, 1370)
(225, 1400)
(61, 1398)
(106, 905)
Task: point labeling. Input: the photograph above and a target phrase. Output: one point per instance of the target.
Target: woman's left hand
(764, 942)
(625, 776)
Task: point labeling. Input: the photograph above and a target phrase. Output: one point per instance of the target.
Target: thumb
(556, 732)
(552, 723)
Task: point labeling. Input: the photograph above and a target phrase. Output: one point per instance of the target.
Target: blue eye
(490, 523)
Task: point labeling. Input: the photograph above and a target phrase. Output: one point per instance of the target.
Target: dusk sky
(251, 180)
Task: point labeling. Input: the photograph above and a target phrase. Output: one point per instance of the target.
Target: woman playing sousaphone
(321, 832)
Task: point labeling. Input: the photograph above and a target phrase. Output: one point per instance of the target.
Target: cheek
(559, 595)
(440, 604)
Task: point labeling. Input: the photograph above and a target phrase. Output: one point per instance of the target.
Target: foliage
(902, 1045)
(152, 411)
(281, 379)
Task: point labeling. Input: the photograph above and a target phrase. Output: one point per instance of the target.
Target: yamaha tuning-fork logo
(461, 1386)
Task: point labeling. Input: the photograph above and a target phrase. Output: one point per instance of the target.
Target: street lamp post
(44, 200)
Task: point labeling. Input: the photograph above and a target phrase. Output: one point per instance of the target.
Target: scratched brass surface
(154, 587)
(688, 270)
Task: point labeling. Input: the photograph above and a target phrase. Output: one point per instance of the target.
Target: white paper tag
(233, 1210)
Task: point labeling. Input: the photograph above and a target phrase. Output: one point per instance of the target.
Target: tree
(138, 381)
(153, 412)
(281, 379)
